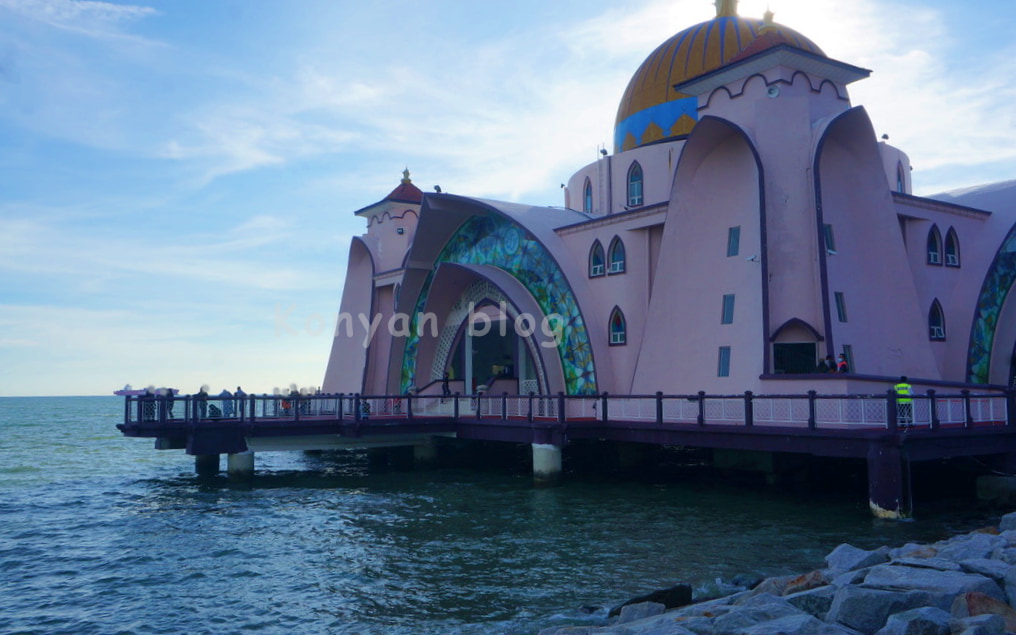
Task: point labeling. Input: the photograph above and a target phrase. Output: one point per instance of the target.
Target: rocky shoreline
(965, 585)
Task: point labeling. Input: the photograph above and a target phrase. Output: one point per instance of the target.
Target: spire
(767, 21)
(405, 176)
(726, 8)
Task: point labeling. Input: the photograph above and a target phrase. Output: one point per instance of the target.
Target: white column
(240, 465)
(546, 463)
(425, 454)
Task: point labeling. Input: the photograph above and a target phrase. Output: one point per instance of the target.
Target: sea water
(104, 534)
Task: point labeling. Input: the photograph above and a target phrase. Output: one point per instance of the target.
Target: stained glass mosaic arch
(997, 283)
(495, 240)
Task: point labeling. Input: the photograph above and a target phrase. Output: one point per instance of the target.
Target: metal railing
(810, 410)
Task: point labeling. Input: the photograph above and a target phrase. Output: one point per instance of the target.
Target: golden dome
(688, 54)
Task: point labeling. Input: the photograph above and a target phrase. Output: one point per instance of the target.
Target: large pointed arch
(490, 238)
(718, 162)
(995, 291)
(348, 348)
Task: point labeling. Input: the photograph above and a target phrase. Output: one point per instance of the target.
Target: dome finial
(726, 8)
(405, 175)
(767, 21)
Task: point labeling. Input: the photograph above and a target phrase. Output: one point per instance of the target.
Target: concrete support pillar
(206, 464)
(240, 465)
(633, 455)
(888, 482)
(546, 463)
(425, 455)
(377, 458)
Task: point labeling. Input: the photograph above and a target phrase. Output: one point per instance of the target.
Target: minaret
(726, 8)
(767, 22)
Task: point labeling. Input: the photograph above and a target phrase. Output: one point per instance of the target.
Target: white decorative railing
(808, 410)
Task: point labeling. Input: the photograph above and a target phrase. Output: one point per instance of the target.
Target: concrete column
(467, 371)
(425, 455)
(377, 458)
(206, 464)
(240, 465)
(888, 482)
(633, 455)
(546, 463)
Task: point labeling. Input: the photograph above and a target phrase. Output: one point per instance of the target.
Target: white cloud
(85, 17)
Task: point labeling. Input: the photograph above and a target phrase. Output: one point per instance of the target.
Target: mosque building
(748, 224)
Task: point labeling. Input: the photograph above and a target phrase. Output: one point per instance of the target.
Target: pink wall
(885, 326)
(716, 187)
(345, 372)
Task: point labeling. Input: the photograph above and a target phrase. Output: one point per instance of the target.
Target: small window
(934, 246)
(901, 181)
(723, 365)
(618, 328)
(596, 260)
(841, 306)
(952, 249)
(733, 241)
(616, 256)
(587, 197)
(728, 309)
(848, 352)
(936, 322)
(828, 238)
(635, 185)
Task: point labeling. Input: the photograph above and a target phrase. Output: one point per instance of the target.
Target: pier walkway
(873, 427)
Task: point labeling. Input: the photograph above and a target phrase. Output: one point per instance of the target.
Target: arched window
(635, 185)
(936, 322)
(934, 246)
(587, 197)
(901, 180)
(618, 328)
(596, 260)
(616, 256)
(952, 248)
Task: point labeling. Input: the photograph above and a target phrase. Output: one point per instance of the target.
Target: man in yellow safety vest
(904, 402)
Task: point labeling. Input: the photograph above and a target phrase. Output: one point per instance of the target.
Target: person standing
(227, 403)
(169, 403)
(841, 365)
(202, 399)
(446, 391)
(904, 402)
(241, 400)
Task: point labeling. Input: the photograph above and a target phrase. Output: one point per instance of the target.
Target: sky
(178, 178)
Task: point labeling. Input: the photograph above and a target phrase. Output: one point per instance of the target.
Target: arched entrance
(488, 343)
